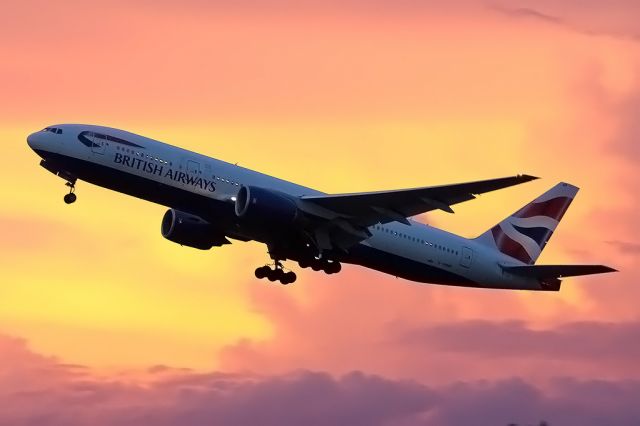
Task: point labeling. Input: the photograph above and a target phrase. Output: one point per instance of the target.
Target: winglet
(527, 178)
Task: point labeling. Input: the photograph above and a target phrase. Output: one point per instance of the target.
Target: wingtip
(528, 178)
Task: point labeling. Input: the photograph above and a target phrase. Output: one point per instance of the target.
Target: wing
(369, 208)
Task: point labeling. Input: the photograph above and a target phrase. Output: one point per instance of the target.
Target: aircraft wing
(369, 208)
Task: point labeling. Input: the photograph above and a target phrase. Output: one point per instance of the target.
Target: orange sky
(341, 97)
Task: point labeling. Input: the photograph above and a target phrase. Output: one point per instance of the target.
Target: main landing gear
(329, 267)
(70, 198)
(276, 274)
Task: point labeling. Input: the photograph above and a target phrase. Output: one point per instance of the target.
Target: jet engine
(266, 207)
(190, 230)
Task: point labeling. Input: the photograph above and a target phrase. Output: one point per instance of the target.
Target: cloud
(592, 342)
(626, 247)
(38, 389)
(328, 338)
(45, 392)
(625, 141)
(593, 19)
(565, 402)
(525, 12)
(351, 321)
(398, 331)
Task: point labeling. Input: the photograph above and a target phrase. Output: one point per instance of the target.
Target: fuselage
(207, 187)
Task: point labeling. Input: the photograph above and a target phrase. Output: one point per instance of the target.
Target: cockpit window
(85, 138)
(54, 130)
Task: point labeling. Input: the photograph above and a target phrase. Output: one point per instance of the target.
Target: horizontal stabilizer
(557, 271)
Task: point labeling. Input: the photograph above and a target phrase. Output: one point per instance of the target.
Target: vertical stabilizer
(524, 234)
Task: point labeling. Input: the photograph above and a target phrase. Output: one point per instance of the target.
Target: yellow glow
(333, 103)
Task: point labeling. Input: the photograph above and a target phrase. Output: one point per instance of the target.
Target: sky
(102, 321)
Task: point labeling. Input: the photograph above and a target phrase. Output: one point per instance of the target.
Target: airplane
(212, 202)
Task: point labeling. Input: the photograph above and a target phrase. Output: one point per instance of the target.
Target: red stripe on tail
(554, 208)
(509, 246)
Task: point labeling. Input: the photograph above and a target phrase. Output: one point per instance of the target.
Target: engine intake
(190, 230)
(263, 206)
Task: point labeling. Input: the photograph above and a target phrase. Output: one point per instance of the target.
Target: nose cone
(34, 142)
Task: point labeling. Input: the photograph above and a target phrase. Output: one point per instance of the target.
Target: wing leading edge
(370, 208)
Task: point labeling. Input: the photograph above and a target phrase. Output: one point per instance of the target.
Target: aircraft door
(193, 168)
(192, 171)
(466, 258)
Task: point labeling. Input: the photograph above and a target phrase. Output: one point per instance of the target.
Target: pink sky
(104, 321)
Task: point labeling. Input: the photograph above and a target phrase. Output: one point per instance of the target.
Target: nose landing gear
(71, 197)
(276, 274)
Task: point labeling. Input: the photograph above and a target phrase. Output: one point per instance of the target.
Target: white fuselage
(149, 169)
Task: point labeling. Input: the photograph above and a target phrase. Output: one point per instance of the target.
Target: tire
(261, 272)
(70, 198)
(288, 278)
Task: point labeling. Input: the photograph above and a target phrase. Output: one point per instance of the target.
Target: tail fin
(524, 234)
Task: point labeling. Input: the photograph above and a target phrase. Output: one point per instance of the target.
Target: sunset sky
(103, 322)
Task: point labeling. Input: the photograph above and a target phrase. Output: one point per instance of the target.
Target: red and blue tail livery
(524, 234)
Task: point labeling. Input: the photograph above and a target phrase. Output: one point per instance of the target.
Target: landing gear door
(466, 258)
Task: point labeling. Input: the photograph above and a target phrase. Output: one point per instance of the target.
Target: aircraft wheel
(262, 272)
(70, 198)
(288, 278)
(273, 275)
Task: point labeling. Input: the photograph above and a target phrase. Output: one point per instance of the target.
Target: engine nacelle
(266, 207)
(189, 230)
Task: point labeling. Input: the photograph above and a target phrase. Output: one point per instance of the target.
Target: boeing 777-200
(212, 202)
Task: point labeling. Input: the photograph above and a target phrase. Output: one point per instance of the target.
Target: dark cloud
(39, 390)
(593, 20)
(565, 402)
(593, 342)
(525, 12)
(45, 392)
(626, 247)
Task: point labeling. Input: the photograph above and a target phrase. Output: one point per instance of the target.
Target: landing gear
(70, 198)
(276, 274)
(328, 266)
(332, 267)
